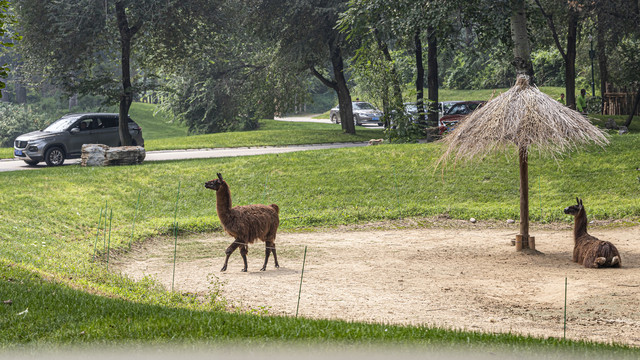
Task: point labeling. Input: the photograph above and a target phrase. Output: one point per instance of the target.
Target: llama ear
(220, 176)
(577, 200)
(580, 202)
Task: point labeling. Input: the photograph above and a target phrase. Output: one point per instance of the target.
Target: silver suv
(64, 138)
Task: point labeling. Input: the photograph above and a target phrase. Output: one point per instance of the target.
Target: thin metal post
(133, 227)
(109, 244)
(95, 245)
(301, 277)
(175, 234)
(564, 336)
(264, 195)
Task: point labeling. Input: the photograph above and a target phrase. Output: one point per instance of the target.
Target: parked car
(363, 113)
(63, 139)
(458, 111)
(411, 108)
(444, 107)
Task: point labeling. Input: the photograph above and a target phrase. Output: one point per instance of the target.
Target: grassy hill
(156, 124)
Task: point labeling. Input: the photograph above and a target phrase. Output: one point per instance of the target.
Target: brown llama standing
(245, 223)
(589, 250)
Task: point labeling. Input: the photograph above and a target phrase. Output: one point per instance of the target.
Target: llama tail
(276, 208)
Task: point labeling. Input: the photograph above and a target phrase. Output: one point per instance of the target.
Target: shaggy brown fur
(588, 250)
(245, 223)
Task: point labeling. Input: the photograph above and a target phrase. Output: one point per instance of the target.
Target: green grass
(270, 133)
(6, 153)
(156, 124)
(46, 314)
(48, 235)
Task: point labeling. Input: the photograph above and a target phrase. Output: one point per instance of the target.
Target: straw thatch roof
(522, 116)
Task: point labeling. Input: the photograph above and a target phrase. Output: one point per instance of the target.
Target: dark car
(458, 111)
(363, 113)
(63, 139)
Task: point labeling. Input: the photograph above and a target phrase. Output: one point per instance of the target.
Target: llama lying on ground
(588, 250)
(245, 223)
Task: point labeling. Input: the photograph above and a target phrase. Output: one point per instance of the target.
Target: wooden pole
(522, 240)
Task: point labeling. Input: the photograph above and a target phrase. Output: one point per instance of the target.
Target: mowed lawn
(55, 260)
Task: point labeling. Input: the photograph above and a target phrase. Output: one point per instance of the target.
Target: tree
(230, 78)
(305, 35)
(618, 34)
(572, 11)
(6, 38)
(73, 43)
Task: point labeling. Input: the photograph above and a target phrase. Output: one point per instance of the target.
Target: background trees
(87, 46)
(220, 65)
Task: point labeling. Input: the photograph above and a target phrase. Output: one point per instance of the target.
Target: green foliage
(16, 120)
(628, 59)
(549, 67)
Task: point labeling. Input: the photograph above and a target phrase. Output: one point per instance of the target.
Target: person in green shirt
(581, 101)
(561, 100)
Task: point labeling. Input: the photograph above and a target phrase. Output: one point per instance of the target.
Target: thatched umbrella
(522, 116)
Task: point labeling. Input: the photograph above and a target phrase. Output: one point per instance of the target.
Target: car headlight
(37, 144)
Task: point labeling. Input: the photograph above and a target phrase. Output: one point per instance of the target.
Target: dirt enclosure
(463, 276)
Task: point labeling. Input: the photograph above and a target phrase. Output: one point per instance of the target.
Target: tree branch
(328, 83)
(552, 26)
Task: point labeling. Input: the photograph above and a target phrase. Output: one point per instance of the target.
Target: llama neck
(223, 200)
(580, 225)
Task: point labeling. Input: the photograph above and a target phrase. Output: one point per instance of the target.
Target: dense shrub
(16, 120)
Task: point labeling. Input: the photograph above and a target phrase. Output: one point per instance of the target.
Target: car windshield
(61, 124)
(363, 106)
(411, 108)
(473, 106)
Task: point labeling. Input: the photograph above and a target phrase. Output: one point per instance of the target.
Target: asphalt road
(15, 165)
(164, 155)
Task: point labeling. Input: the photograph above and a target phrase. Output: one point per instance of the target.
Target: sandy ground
(460, 277)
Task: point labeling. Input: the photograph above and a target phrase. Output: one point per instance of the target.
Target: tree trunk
(419, 77)
(126, 35)
(522, 63)
(570, 61)
(395, 79)
(73, 101)
(521, 47)
(524, 197)
(385, 106)
(21, 93)
(602, 62)
(341, 88)
(432, 75)
(627, 123)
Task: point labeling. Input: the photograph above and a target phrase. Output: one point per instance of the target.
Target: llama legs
(244, 249)
(269, 248)
(234, 245)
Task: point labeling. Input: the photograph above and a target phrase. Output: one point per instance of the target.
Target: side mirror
(74, 131)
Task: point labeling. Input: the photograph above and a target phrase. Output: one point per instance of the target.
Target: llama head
(215, 183)
(574, 209)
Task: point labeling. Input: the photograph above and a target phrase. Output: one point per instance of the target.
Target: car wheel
(32, 162)
(54, 156)
(334, 119)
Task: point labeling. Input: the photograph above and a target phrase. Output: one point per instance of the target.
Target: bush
(16, 120)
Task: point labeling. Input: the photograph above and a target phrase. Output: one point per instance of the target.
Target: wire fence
(544, 198)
